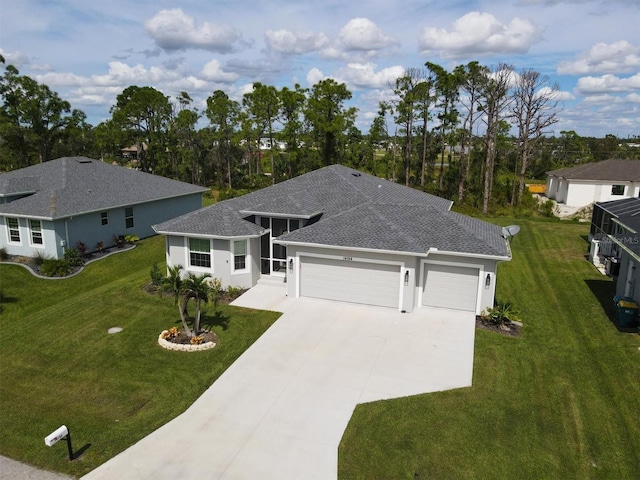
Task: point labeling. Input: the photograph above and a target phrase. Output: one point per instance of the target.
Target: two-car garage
(389, 284)
(352, 281)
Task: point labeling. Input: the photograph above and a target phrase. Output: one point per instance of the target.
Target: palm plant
(198, 288)
(175, 285)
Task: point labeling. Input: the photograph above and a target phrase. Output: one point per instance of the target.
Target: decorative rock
(115, 330)
(184, 348)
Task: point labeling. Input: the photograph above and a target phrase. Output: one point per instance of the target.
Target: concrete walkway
(12, 470)
(280, 410)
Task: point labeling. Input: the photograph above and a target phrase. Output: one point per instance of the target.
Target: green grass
(59, 366)
(562, 401)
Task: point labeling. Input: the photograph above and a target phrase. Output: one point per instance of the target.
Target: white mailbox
(56, 436)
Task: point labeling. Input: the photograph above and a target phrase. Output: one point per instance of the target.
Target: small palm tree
(175, 285)
(198, 288)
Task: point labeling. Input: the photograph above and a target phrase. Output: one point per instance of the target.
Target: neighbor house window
(239, 254)
(617, 190)
(14, 230)
(199, 252)
(36, 232)
(128, 217)
(104, 218)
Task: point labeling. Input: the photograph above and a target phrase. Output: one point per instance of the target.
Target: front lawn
(562, 401)
(58, 364)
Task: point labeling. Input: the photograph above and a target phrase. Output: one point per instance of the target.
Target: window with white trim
(239, 254)
(200, 252)
(104, 218)
(13, 227)
(128, 217)
(35, 226)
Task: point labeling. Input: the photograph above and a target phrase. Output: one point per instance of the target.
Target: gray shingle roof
(606, 170)
(75, 185)
(358, 211)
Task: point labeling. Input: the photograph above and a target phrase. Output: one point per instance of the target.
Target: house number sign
(348, 259)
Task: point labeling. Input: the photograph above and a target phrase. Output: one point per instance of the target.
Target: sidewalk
(13, 470)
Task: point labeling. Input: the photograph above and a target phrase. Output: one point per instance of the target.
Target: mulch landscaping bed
(509, 329)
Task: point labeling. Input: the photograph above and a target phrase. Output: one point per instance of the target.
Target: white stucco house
(594, 182)
(340, 234)
(49, 207)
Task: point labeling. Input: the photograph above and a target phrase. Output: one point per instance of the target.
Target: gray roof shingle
(358, 210)
(75, 185)
(607, 170)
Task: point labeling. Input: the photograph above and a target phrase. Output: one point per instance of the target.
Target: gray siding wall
(88, 228)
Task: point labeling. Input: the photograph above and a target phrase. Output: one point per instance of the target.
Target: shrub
(546, 209)
(53, 267)
(3, 255)
(73, 257)
(171, 333)
(157, 279)
(39, 258)
(82, 249)
(196, 340)
(234, 292)
(100, 247)
(118, 241)
(131, 238)
(502, 313)
(215, 292)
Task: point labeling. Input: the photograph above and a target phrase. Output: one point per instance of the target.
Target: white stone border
(183, 348)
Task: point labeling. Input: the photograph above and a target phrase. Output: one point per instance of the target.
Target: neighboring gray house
(340, 234)
(51, 206)
(594, 182)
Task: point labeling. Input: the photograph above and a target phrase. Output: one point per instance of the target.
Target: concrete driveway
(280, 410)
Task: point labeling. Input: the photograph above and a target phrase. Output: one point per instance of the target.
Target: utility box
(626, 312)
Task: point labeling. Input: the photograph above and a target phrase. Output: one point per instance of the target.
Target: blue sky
(90, 51)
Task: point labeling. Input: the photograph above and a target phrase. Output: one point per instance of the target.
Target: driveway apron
(280, 410)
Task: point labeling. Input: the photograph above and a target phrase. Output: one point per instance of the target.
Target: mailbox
(56, 436)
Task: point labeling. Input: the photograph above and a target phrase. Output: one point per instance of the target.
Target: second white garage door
(349, 281)
(450, 286)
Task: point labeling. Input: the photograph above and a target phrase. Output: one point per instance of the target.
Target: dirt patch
(508, 329)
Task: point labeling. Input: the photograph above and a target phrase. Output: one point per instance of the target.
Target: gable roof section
(356, 210)
(75, 185)
(606, 170)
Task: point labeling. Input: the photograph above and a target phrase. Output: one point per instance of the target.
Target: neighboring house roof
(75, 185)
(349, 209)
(606, 170)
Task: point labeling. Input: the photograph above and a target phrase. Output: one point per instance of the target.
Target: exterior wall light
(487, 282)
(406, 277)
(291, 265)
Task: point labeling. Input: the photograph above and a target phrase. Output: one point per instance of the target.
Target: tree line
(445, 132)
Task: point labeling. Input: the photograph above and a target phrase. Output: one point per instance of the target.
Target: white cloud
(175, 30)
(287, 42)
(480, 34)
(361, 34)
(213, 72)
(557, 95)
(314, 76)
(363, 75)
(608, 84)
(615, 57)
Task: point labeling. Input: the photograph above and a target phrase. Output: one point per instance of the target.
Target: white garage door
(450, 286)
(347, 281)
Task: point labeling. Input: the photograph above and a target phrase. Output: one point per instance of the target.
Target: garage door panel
(450, 286)
(349, 281)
